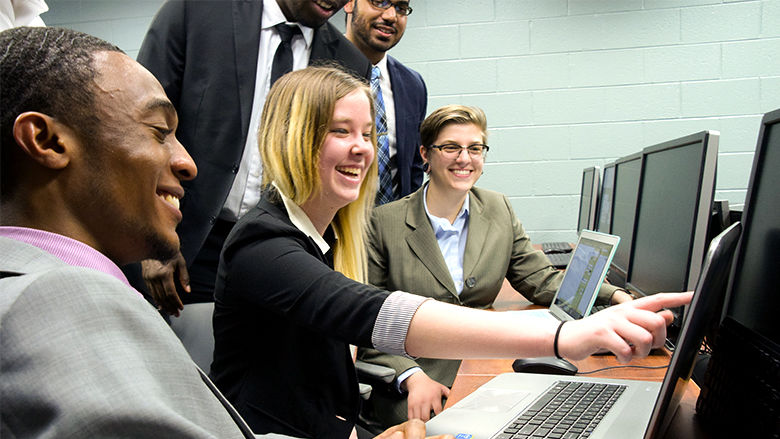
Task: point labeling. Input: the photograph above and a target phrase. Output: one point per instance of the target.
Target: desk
(474, 373)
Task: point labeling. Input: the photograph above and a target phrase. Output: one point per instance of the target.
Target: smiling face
(374, 31)
(311, 13)
(345, 157)
(128, 176)
(456, 175)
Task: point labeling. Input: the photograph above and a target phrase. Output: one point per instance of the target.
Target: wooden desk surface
(474, 373)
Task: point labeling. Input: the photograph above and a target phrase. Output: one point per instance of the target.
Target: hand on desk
(159, 279)
(424, 396)
(413, 429)
(628, 330)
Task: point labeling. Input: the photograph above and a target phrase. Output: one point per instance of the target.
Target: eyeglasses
(401, 8)
(452, 150)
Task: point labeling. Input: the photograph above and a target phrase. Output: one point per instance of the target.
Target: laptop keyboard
(556, 247)
(569, 410)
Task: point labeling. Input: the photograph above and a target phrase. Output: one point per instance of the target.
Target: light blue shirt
(452, 243)
(451, 239)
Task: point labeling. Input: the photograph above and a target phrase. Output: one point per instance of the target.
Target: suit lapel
(423, 243)
(240, 423)
(322, 45)
(479, 228)
(246, 39)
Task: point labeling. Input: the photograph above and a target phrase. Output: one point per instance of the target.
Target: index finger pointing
(659, 301)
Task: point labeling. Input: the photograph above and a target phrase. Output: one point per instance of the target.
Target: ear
(423, 153)
(44, 140)
(349, 7)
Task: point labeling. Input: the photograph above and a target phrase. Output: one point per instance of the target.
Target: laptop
(582, 280)
(623, 409)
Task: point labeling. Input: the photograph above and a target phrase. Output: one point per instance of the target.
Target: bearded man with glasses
(374, 27)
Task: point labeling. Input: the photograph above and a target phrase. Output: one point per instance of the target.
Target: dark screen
(605, 209)
(754, 298)
(586, 198)
(624, 208)
(665, 219)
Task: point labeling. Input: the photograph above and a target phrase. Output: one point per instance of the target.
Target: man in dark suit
(214, 59)
(376, 26)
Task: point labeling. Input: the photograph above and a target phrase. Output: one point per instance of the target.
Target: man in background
(374, 27)
(216, 61)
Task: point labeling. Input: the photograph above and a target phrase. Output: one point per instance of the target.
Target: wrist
(556, 339)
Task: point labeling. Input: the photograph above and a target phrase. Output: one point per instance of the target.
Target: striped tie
(385, 193)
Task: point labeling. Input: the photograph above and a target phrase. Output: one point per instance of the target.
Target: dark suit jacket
(404, 255)
(204, 52)
(411, 98)
(282, 324)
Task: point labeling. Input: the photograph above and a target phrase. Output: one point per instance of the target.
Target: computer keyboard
(559, 260)
(568, 410)
(556, 247)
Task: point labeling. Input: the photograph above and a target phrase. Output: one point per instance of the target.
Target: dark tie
(283, 58)
(385, 192)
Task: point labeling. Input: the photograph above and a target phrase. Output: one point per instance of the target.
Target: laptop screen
(584, 274)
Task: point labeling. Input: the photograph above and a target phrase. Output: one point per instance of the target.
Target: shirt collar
(273, 15)
(301, 221)
(382, 64)
(440, 223)
(69, 250)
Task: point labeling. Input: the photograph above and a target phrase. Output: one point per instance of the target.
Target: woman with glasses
(290, 299)
(453, 242)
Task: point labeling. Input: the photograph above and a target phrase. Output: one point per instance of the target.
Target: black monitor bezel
(771, 118)
(698, 243)
(601, 199)
(619, 275)
(595, 194)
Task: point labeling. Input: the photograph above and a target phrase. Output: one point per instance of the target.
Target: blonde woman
(284, 318)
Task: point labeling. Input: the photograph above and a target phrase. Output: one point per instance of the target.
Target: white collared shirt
(245, 192)
(300, 220)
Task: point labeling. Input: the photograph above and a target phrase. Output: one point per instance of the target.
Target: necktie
(283, 58)
(385, 193)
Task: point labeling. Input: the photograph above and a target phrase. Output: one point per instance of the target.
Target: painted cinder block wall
(567, 84)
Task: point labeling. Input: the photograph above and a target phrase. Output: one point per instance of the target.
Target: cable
(620, 367)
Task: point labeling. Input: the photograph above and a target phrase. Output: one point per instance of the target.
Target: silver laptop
(623, 409)
(583, 278)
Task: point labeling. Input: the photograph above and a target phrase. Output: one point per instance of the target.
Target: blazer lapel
(246, 39)
(322, 45)
(479, 228)
(423, 243)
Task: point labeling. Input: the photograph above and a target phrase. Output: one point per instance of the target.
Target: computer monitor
(627, 172)
(673, 212)
(604, 220)
(740, 395)
(589, 198)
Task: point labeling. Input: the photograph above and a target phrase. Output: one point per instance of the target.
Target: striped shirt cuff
(392, 322)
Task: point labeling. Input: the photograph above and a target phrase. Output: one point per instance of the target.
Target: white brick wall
(571, 84)
(567, 84)
(122, 22)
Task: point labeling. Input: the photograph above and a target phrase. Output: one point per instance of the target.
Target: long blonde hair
(296, 118)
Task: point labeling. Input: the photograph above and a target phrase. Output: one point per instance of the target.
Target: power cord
(621, 367)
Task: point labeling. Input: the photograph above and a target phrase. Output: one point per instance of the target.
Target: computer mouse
(546, 365)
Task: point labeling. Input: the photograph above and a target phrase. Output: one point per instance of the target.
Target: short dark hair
(49, 70)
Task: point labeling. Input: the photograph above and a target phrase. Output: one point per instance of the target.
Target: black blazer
(283, 320)
(411, 99)
(204, 52)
